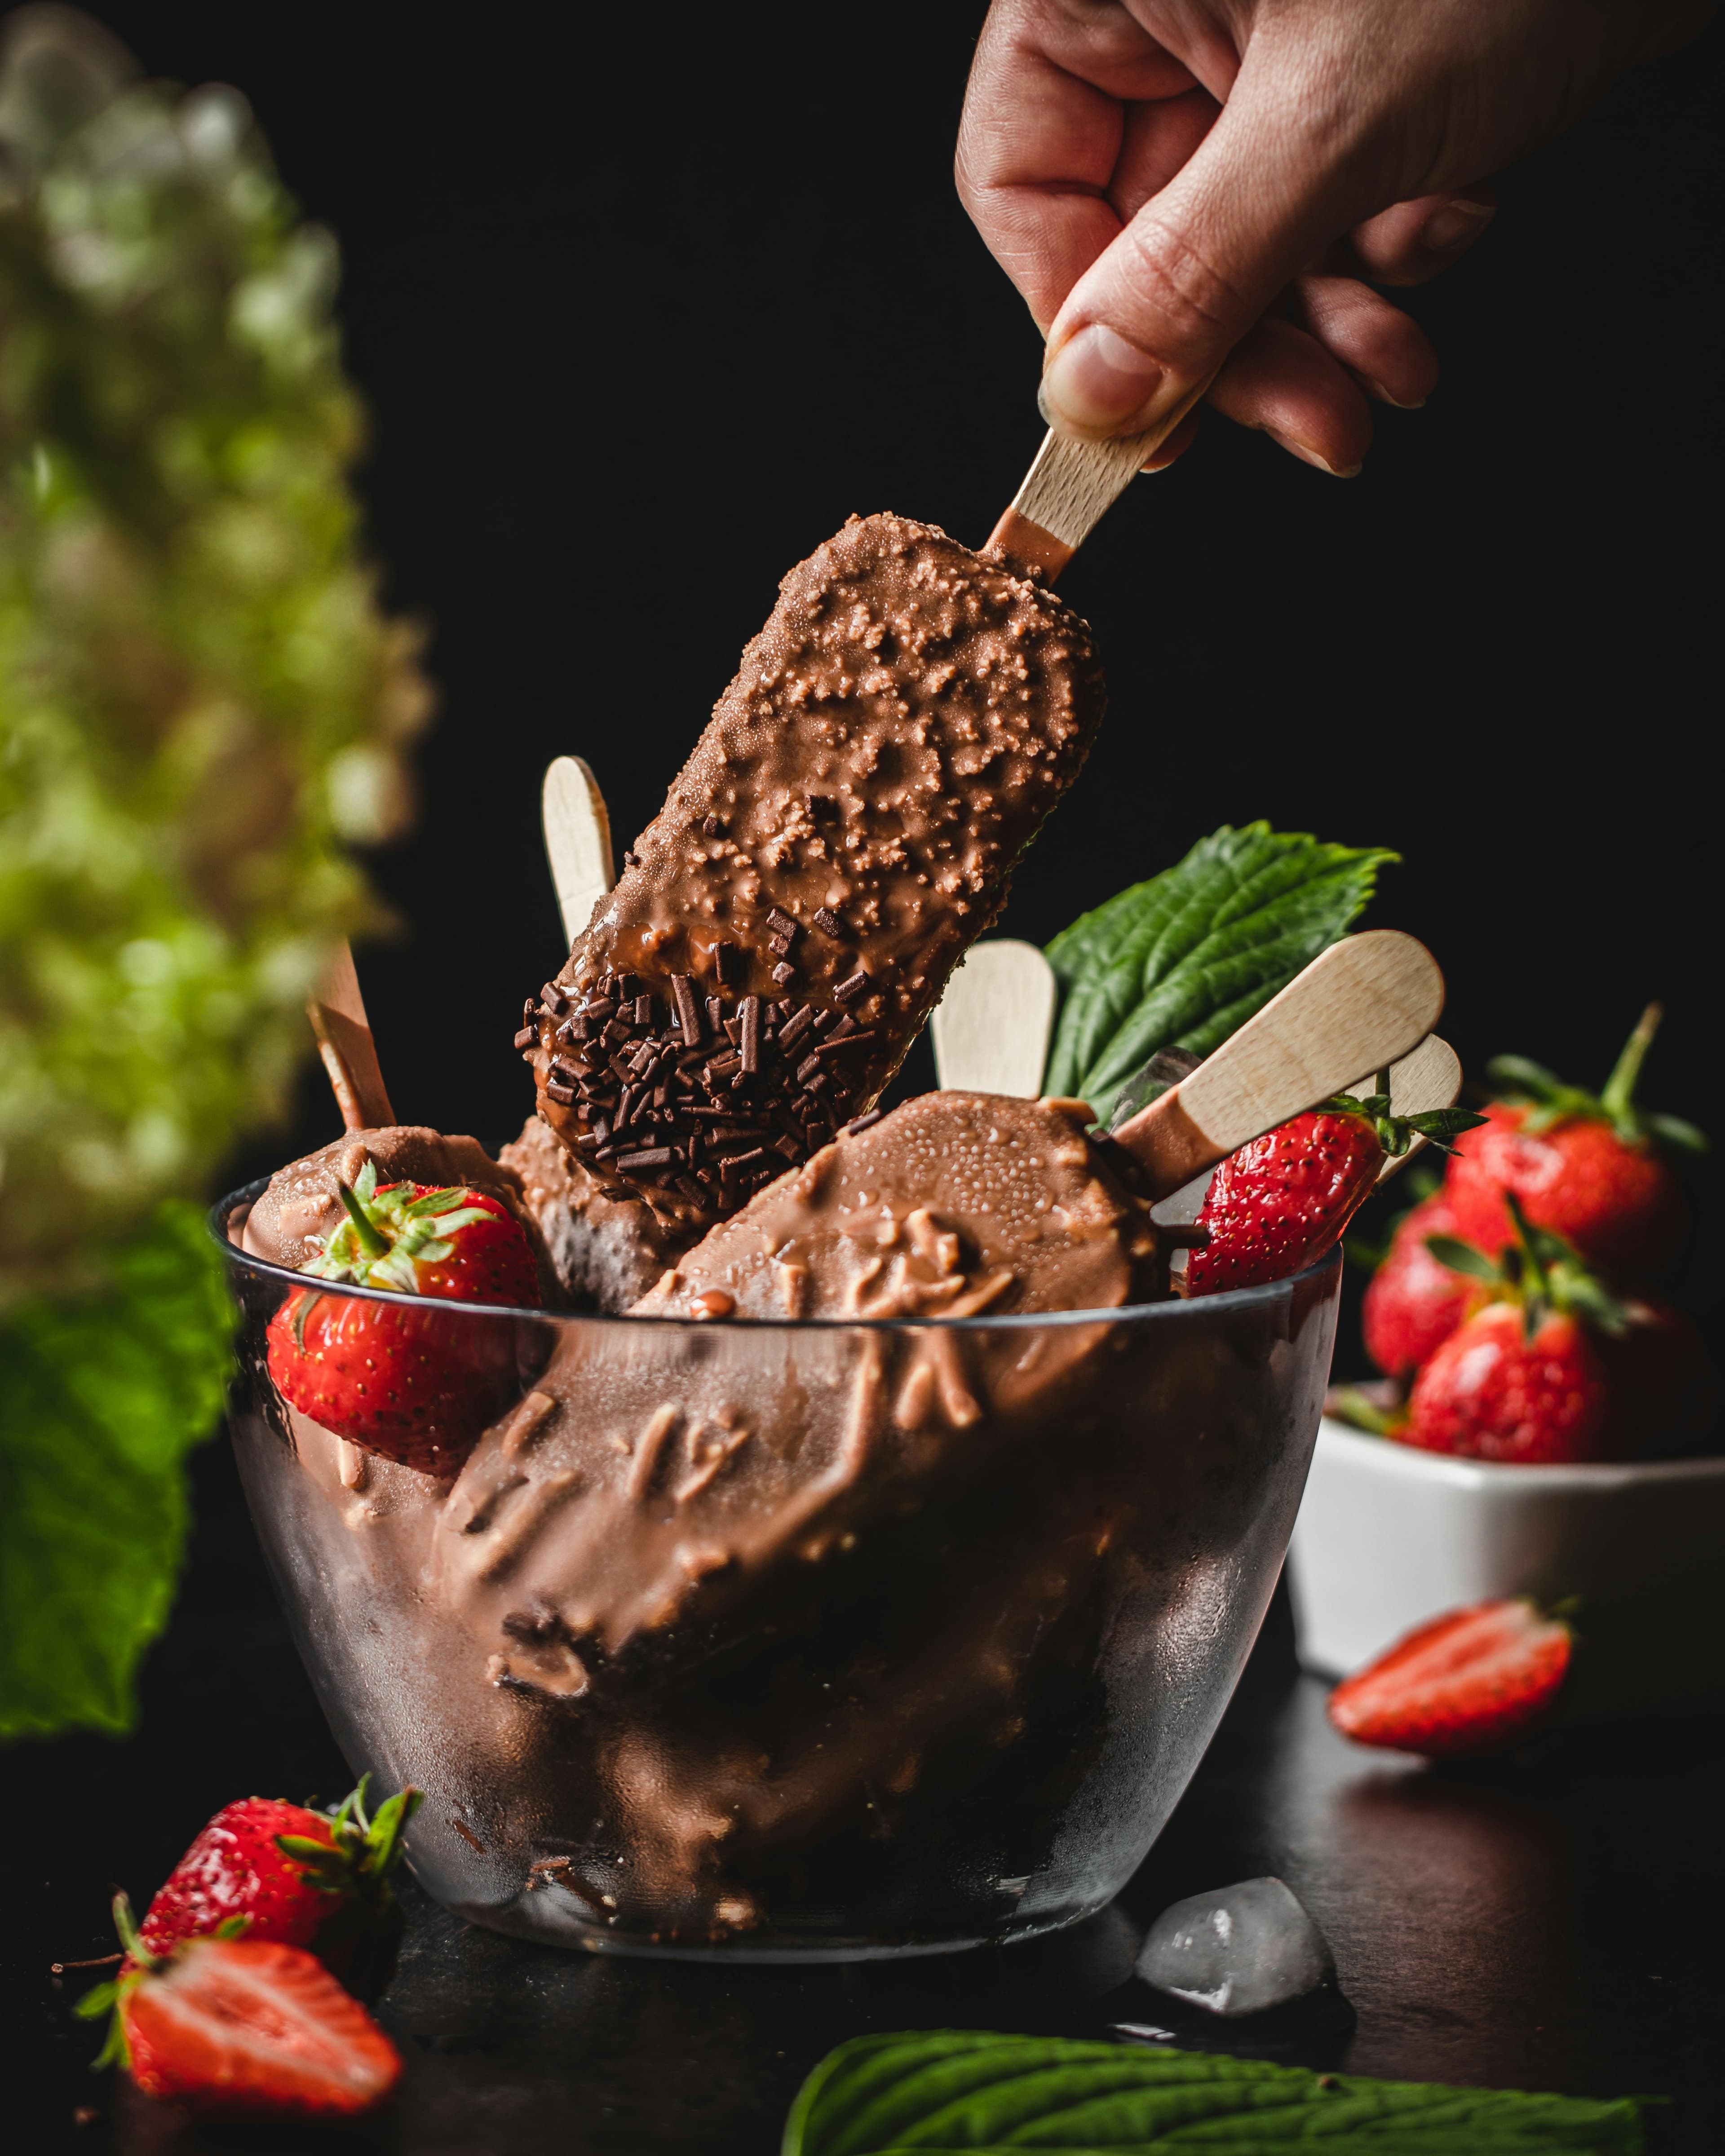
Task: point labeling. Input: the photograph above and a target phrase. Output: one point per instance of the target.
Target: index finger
(1042, 134)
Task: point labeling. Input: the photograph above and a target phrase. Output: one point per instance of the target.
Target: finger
(1157, 139)
(1413, 240)
(1279, 379)
(1043, 123)
(1386, 351)
(1175, 446)
(1263, 194)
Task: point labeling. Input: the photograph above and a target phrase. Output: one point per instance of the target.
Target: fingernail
(1383, 397)
(1453, 222)
(1311, 457)
(1096, 379)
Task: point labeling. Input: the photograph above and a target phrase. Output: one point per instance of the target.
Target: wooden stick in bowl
(338, 1017)
(577, 840)
(1365, 1002)
(990, 1030)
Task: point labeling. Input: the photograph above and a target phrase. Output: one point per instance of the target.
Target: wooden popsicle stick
(990, 1028)
(1071, 484)
(338, 1017)
(1366, 1000)
(577, 840)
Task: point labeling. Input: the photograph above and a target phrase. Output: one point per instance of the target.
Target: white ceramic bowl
(1389, 1537)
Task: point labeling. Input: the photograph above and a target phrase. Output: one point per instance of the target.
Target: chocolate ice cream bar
(848, 824)
(633, 1510)
(953, 1204)
(606, 1248)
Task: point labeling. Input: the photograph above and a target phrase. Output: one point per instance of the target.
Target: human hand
(1179, 185)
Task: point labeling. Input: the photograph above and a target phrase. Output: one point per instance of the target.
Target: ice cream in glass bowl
(871, 1586)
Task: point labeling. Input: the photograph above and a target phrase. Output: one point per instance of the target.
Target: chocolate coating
(290, 1221)
(605, 1250)
(892, 741)
(954, 1204)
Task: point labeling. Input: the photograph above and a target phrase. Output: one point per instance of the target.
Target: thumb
(1158, 312)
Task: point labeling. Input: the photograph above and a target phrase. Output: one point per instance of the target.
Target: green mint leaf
(972, 2091)
(1183, 960)
(101, 1397)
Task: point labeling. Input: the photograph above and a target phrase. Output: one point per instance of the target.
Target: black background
(645, 301)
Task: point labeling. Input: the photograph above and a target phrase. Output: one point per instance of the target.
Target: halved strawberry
(234, 2024)
(1474, 1681)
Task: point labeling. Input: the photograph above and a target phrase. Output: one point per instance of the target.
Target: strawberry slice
(234, 2024)
(1474, 1681)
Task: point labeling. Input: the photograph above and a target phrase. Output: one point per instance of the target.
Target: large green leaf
(1182, 960)
(971, 2090)
(101, 1396)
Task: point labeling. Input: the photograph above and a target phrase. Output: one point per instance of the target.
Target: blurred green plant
(201, 704)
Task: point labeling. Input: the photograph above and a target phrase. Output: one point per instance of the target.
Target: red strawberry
(417, 1385)
(247, 2025)
(301, 1878)
(1495, 1391)
(1281, 1202)
(1474, 1681)
(1554, 1368)
(1414, 1301)
(1586, 1167)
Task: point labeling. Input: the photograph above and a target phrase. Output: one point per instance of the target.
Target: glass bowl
(799, 1641)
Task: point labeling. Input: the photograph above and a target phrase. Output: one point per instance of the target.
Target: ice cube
(1240, 1949)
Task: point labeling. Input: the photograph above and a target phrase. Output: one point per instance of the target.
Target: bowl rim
(1386, 1456)
(1137, 1313)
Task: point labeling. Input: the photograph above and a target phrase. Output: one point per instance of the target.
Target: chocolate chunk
(862, 1123)
(713, 826)
(644, 1010)
(807, 1069)
(750, 1011)
(796, 1026)
(727, 965)
(781, 923)
(648, 1157)
(688, 1010)
(848, 991)
(562, 1094)
(554, 998)
(828, 921)
(781, 973)
(715, 1013)
(527, 1037)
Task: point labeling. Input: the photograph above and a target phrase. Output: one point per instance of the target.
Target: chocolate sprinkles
(701, 1100)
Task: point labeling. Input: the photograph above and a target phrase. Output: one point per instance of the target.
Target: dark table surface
(1549, 1924)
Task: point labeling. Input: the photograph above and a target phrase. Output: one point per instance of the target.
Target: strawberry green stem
(1536, 1280)
(370, 1241)
(1620, 1086)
